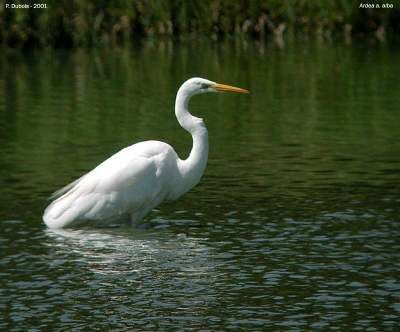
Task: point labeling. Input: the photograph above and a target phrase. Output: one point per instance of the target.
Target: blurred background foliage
(66, 23)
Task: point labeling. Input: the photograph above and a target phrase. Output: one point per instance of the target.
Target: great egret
(132, 182)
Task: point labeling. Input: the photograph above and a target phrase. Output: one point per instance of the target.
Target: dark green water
(295, 224)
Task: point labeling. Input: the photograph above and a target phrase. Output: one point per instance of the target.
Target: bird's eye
(204, 85)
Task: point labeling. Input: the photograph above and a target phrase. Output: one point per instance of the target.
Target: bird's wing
(122, 184)
(58, 193)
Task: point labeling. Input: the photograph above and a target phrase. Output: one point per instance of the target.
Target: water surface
(295, 224)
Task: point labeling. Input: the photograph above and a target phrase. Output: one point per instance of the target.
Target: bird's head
(197, 85)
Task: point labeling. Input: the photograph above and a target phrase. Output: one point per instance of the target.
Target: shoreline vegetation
(67, 24)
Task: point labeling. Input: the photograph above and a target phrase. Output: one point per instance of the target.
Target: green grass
(67, 23)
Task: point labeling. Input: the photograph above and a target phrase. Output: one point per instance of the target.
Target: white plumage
(136, 179)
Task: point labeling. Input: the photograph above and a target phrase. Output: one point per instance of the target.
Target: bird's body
(129, 184)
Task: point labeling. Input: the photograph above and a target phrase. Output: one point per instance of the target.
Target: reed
(66, 23)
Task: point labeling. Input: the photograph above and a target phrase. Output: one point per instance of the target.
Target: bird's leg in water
(137, 220)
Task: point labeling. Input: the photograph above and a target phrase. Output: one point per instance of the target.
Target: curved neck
(193, 167)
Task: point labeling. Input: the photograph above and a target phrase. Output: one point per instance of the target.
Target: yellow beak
(223, 87)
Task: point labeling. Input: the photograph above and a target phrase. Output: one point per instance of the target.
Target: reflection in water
(87, 275)
(130, 253)
(243, 269)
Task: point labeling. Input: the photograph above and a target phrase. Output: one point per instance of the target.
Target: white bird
(132, 182)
